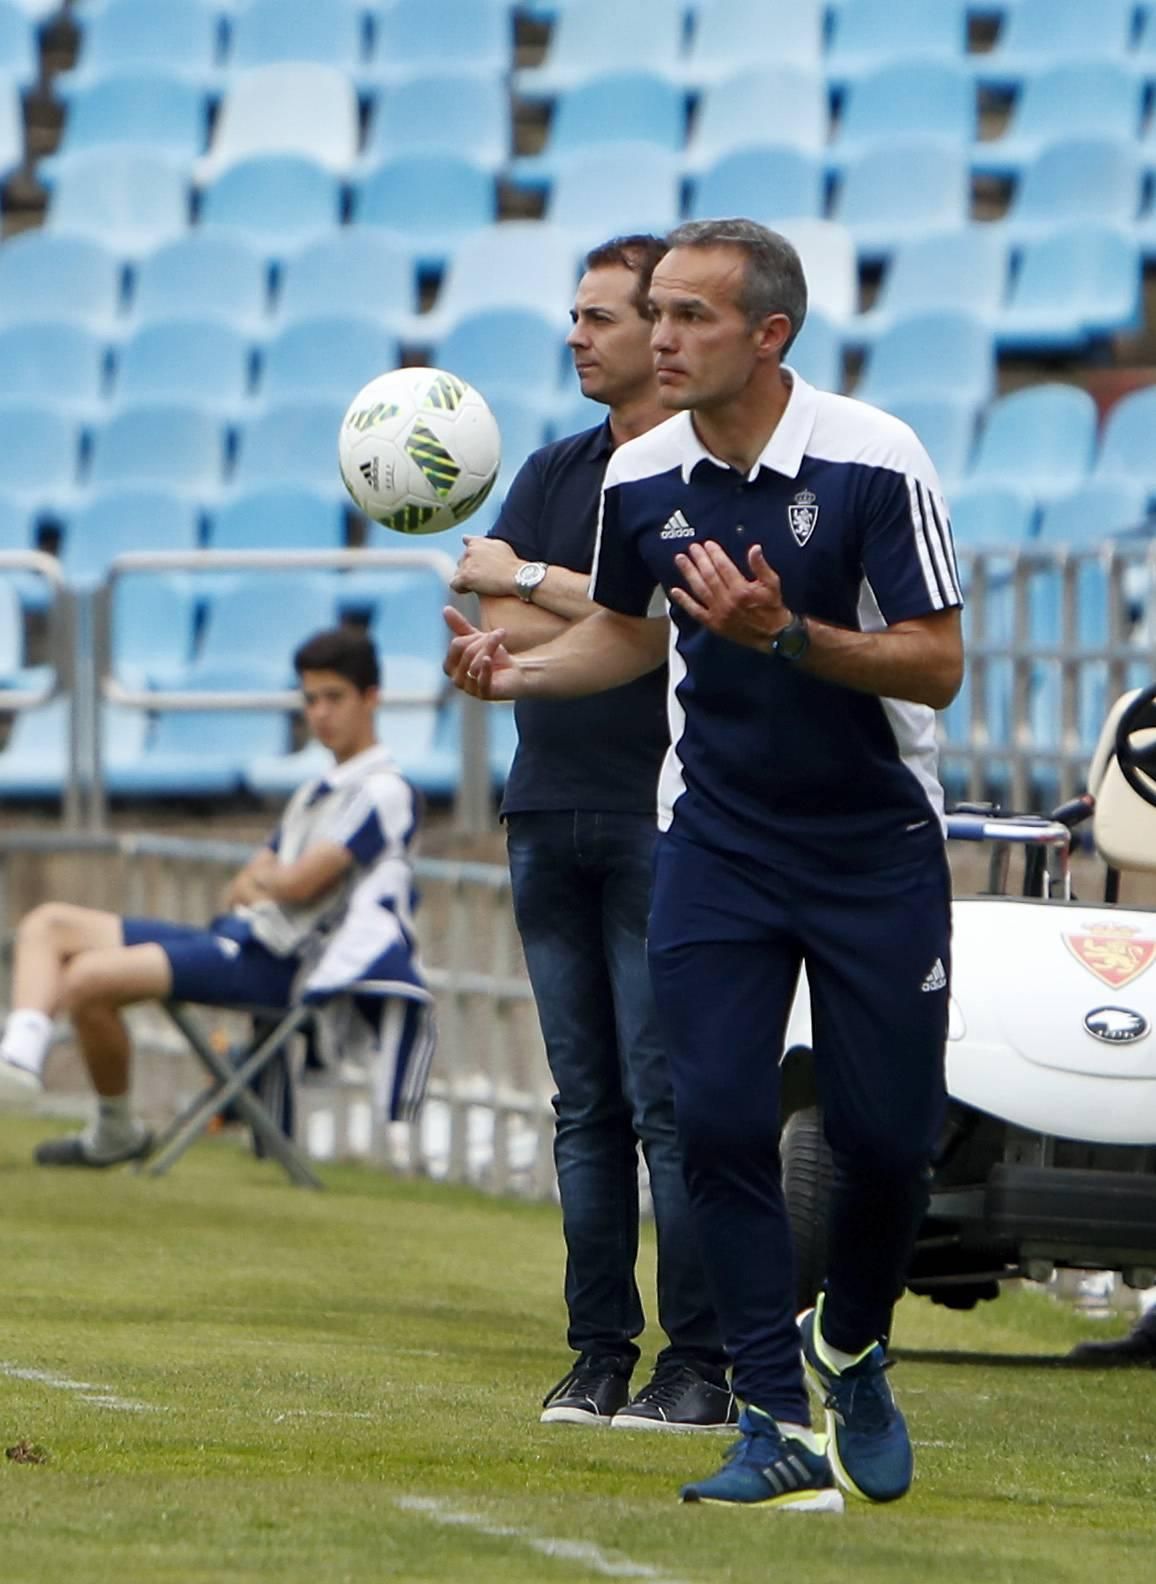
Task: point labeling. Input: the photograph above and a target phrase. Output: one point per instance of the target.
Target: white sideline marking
(590, 1556)
(98, 1396)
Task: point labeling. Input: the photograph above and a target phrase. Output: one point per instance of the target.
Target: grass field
(230, 1378)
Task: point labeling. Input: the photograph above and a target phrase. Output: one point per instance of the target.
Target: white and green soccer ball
(419, 450)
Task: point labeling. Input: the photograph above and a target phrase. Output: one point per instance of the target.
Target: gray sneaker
(75, 1149)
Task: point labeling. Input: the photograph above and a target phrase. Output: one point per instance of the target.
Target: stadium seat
(203, 277)
(866, 34)
(426, 203)
(446, 113)
(1041, 439)
(614, 189)
(321, 32)
(1039, 34)
(34, 761)
(253, 625)
(592, 37)
(768, 184)
(53, 364)
(291, 442)
(910, 96)
(126, 198)
(12, 150)
(997, 516)
(201, 361)
(1073, 285)
(1126, 450)
(276, 203)
(295, 109)
(1093, 512)
(817, 353)
(731, 35)
(945, 425)
(1078, 181)
(170, 445)
(924, 354)
(182, 36)
(508, 348)
(39, 454)
(155, 108)
(413, 38)
(153, 623)
(277, 517)
(358, 268)
(198, 753)
(325, 358)
(524, 427)
(618, 107)
(517, 264)
(406, 617)
(828, 255)
(111, 522)
(19, 52)
(44, 276)
(573, 413)
(17, 524)
(1078, 98)
(963, 268)
(902, 189)
(782, 106)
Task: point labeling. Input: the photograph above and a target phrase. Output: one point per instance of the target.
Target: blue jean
(581, 889)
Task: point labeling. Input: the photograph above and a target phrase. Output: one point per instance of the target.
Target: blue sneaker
(867, 1438)
(766, 1469)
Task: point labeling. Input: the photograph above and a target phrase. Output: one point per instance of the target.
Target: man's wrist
(527, 578)
(791, 641)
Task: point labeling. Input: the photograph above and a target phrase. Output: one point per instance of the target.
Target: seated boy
(356, 821)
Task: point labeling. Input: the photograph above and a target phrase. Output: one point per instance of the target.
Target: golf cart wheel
(807, 1174)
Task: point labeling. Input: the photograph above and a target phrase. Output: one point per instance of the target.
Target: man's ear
(773, 334)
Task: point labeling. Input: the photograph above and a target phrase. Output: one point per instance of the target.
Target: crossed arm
(265, 879)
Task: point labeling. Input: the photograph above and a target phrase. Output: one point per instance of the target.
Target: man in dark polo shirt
(580, 812)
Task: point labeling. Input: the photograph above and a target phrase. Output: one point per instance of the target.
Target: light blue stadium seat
(181, 35)
(614, 189)
(172, 446)
(926, 354)
(946, 426)
(524, 426)
(829, 264)
(277, 203)
(899, 190)
(291, 442)
(1077, 98)
(34, 760)
(112, 522)
(1078, 181)
(574, 412)
(731, 35)
(277, 517)
(199, 753)
(596, 36)
(867, 33)
(910, 96)
(155, 107)
(203, 361)
(964, 268)
(360, 269)
(205, 277)
(326, 358)
(618, 107)
(298, 108)
(17, 524)
(443, 113)
(768, 184)
(1100, 509)
(415, 37)
(39, 454)
(783, 106)
(128, 199)
(1073, 285)
(12, 150)
(406, 618)
(1041, 439)
(1039, 34)
(328, 32)
(19, 52)
(817, 352)
(427, 203)
(44, 276)
(1126, 450)
(519, 263)
(991, 516)
(153, 623)
(51, 363)
(506, 348)
(255, 621)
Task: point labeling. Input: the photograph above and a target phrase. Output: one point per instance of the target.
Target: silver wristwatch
(527, 578)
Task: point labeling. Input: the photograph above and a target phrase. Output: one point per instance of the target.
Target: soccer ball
(419, 450)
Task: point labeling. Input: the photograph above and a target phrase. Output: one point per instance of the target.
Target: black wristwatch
(792, 641)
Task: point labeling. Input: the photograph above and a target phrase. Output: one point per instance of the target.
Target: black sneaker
(590, 1394)
(679, 1397)
(75, 1149)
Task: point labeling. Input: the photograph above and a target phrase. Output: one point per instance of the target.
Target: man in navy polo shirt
(579, 808)
(800, 543)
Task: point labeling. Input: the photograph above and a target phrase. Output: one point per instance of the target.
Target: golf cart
(1048, 1155)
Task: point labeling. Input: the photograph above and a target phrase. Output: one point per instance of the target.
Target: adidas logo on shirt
(677, 527)
(936, 978)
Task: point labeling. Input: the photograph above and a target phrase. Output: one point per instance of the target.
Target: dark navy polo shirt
(767, 760)
(603, 752)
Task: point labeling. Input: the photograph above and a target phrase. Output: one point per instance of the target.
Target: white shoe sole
(827, 1501)
(573, 1416)
(625, 1421)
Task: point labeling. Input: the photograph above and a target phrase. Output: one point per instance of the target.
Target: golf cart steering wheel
(1138, 764)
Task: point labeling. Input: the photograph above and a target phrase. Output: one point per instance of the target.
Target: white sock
(837, 1359)
(115, 1128)
(803, 1433)
(27, 1037)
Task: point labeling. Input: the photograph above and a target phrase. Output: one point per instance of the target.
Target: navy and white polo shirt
(765, 759)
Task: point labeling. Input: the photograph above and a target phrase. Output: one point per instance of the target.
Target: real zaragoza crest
(803, 514)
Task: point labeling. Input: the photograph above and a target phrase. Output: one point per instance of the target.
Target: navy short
(222, 965)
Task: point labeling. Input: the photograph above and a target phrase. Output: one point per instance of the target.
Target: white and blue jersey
(766, 759)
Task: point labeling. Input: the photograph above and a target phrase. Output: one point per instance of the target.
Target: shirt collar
(783, 452)
(376, 757)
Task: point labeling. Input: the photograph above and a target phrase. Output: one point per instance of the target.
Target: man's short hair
(638, 253)
(345, 650)
(773, 282)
